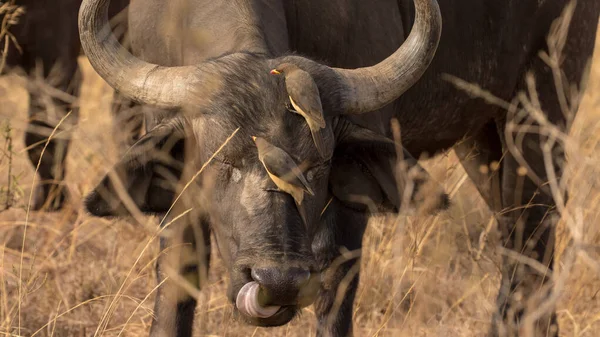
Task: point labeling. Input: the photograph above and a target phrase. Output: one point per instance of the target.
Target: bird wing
(304, 96)
(281, 165)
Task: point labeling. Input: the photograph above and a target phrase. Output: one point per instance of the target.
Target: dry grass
(429, 276)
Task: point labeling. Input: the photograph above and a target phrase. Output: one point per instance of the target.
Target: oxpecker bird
(284, 172)
(304, 96)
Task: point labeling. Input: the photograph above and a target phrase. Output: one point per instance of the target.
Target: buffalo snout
(274, 293)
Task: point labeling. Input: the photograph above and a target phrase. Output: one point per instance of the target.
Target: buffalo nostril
(301, 275)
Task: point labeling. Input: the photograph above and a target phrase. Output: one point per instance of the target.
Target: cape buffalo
(215, 75)
(46, 39)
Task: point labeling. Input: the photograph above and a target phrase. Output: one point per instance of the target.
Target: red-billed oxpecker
(284, 172)
(305, 98)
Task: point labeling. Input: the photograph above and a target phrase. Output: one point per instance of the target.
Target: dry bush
(420, 276)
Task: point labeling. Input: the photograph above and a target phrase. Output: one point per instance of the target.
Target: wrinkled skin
(48, 37)
(256, 227)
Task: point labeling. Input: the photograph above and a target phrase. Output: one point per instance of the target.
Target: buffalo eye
(228, 170)
(289, 106)
(310, 175)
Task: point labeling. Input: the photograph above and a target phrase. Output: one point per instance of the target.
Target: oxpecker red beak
(275, 72)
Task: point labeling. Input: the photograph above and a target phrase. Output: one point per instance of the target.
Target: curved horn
(371, 88)
(165, 87)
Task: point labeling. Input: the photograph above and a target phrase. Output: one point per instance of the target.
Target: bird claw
(290, 107)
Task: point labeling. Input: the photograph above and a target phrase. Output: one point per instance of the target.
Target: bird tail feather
(319, 143)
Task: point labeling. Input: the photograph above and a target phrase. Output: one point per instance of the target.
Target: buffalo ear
(366, 174)
(148, 173)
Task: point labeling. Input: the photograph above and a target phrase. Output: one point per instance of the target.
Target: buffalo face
(261, 233)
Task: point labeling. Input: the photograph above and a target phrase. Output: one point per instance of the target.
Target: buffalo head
(264, 208)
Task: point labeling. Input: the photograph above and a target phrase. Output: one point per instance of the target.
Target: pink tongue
(247, 302)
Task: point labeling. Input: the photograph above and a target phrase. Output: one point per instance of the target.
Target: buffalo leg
(526, 225)
(184, 258)
(527, 228)
(526, 299)
(45, 114)
(50, 53)
(342, 231)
